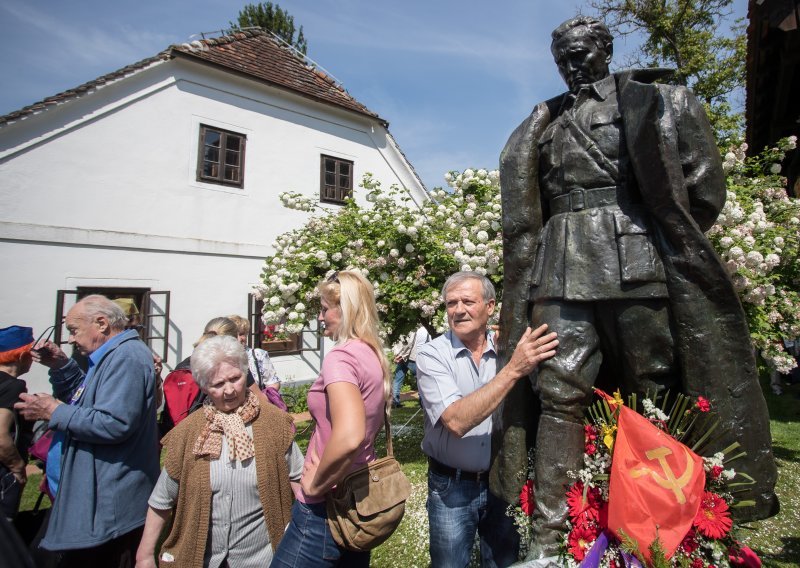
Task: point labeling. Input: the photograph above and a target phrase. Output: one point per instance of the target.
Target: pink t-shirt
(353, 362)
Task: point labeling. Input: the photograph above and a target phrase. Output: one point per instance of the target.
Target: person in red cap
(15, 431)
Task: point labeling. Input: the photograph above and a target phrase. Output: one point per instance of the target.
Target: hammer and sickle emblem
(669, 481)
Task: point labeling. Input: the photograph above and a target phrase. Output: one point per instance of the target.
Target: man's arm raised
(533, 347)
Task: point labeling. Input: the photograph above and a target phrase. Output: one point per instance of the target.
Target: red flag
(656, 484)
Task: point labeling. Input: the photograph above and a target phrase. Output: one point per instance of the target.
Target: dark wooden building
(773, 79)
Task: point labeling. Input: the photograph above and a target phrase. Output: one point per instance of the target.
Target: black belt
(446, 470)
(579, 199)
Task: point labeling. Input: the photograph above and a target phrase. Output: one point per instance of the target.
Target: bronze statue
(607, 191)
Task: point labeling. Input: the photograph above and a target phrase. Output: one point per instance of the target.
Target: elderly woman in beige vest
(227, 473)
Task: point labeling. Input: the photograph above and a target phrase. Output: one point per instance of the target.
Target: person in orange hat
(15, 432)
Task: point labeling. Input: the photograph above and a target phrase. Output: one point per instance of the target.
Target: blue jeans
(399, 376)
(308, 542)
(456, 510)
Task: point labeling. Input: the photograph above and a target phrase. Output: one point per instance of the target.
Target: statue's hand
(533, 347)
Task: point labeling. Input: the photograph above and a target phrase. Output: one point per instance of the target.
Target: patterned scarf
(240, 443)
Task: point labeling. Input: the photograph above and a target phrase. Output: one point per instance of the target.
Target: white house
(159, 183)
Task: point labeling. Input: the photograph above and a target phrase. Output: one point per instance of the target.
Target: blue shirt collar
(113, 341)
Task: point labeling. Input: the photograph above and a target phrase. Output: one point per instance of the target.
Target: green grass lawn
(776, 540)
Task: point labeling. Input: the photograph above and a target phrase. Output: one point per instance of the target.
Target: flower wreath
(709, 542)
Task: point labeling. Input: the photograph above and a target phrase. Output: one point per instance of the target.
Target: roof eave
(82, 90)
(175, 53)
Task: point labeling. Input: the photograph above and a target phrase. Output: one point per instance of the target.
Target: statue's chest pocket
(606, 131)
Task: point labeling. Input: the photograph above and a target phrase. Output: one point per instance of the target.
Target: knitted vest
(272, 435)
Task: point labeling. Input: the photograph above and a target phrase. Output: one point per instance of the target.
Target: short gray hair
(96, 305)
(459, 277)
(209, 355)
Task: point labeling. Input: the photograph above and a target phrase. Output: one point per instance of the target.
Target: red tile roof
(251, 53)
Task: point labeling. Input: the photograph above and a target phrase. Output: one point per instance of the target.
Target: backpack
(182, 396)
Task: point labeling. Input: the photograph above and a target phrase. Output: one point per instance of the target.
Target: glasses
(333, 277)
(44, 337)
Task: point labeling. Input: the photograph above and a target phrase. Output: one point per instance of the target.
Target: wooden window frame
(336, 193)
(309, 339)
(154, 323)
(220, 178)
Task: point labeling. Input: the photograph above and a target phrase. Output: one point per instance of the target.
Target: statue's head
(582, 48)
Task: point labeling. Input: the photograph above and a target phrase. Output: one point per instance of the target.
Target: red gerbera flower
(697, 563)
(590, 449)
(526, 500)
(581, 510)
(702, 404)
(580, 540)
(713, 519)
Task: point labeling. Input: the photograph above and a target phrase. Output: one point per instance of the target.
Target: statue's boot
(559, 449)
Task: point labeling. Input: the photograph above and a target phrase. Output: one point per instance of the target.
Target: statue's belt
(579, 199)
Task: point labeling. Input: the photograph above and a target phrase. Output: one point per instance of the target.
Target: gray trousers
(635, 337)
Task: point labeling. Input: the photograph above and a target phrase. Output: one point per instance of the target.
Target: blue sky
(453, 78)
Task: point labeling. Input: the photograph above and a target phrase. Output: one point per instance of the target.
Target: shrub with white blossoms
(406, 251)
(757, 235)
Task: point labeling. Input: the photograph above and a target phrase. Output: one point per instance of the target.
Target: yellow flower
(608, 435)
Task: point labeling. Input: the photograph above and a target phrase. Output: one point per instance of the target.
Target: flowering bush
(757, 237)
(406, 251)
(709, 541)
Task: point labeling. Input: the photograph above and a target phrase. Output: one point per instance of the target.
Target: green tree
(272, 18)
(690, 36)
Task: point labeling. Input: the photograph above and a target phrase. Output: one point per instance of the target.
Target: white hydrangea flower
(754, 258)
(736, 252)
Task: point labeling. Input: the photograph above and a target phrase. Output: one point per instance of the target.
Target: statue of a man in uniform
(607, 191)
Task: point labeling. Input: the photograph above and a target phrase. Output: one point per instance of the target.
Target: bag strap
(38, 502)
(387, 425)
(252, 357)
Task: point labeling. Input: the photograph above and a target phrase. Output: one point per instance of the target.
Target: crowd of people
(219, 480)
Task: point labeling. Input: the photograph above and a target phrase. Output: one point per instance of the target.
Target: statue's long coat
(678, 169)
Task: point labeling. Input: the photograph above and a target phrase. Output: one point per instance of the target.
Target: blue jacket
(110, 460)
